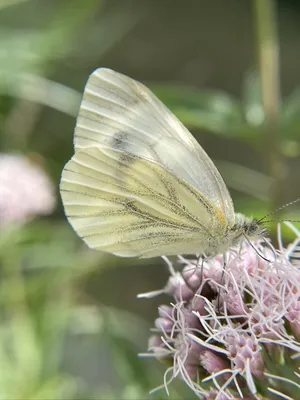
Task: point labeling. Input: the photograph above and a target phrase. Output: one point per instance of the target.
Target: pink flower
(25, 190)
(234, 327)
(213, 362)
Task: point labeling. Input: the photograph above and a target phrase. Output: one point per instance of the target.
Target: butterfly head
(251, 228)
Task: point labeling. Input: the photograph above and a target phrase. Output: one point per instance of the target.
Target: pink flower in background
(25, 190)
(232, 333)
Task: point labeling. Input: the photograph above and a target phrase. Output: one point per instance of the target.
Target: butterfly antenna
(281, 220)
(280, 208)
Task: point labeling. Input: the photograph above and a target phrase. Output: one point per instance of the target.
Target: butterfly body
(139, 184)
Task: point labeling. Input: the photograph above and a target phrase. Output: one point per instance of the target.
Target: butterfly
(139, 184)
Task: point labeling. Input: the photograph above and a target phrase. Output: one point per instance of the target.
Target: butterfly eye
(255, 229)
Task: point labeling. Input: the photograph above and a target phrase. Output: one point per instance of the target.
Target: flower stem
(268, 54)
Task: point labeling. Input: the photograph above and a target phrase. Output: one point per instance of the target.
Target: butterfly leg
(202, 267)
(221, 281)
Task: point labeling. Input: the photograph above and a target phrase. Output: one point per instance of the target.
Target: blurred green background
(71, 326)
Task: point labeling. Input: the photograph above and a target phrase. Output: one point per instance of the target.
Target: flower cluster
(26, 190)
(233, 328)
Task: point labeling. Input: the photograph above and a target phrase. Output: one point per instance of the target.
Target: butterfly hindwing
(130, 206)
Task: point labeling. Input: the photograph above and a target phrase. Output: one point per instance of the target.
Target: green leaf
(9, 3)
(121, 329)
(290, 123)
(246, 180)
(291, 107)
(33, 51)
(211, 110)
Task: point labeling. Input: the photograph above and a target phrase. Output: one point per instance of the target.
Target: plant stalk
(268, 55)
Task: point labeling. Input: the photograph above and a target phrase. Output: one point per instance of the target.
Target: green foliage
(41, 266)
(45, 309)
(239, 119)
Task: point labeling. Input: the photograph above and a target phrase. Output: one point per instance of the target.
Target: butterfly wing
(131, 206)
(121, 113)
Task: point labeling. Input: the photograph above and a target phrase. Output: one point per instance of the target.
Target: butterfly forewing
(121, 113)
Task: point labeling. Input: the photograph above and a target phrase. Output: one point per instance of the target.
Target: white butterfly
(139, 184)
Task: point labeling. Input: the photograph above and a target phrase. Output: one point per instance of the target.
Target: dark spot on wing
(119, 140)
